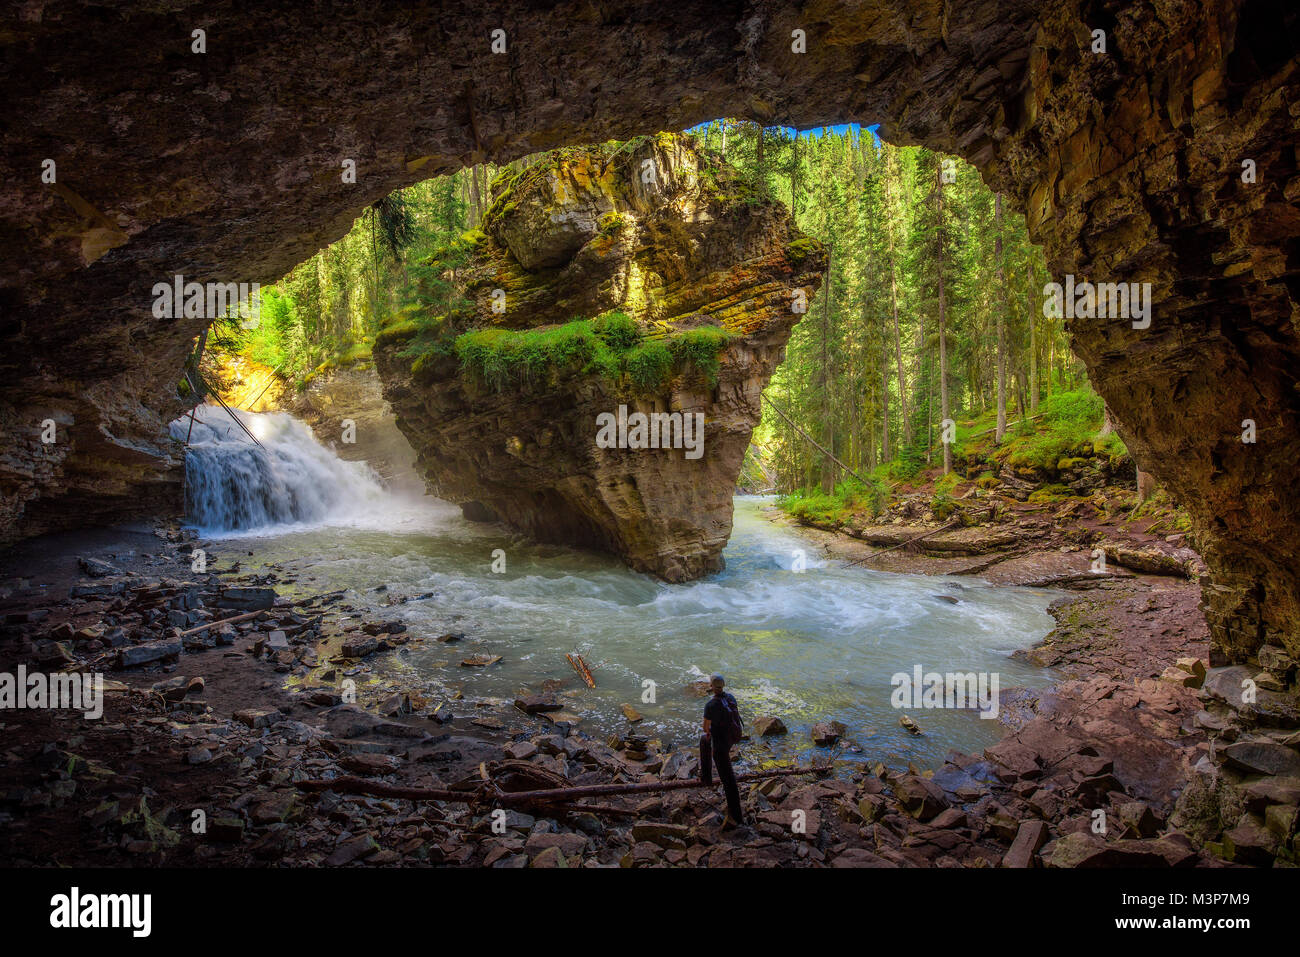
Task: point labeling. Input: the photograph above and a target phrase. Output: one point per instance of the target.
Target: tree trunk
(1002, 338)
(944, 411)
(828, 471)
(1146, 484)
(884, 402)
(1033, 343)
(476, 206)
(893, 300)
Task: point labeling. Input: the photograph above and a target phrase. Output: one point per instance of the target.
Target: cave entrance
(1143, 145)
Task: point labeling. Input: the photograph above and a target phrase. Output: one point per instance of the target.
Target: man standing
(722, 729)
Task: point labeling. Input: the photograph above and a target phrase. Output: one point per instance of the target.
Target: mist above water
(233, 484)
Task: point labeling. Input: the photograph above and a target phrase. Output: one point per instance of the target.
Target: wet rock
(1269, 681)
(1013, 760)
(1096, 791)
(664, 835)
(1271, 790)
(950, 818)
(521, 750)
(536, 704)
(96, 568)
(226, 830)
(480, 661)
(859, 857)
(1083, 849)
(567, 844)
(246, 599)
(359, 646)
(1276, 661)
(1138, 819)
(826, 733)
(366, 764)
(1181, 678)
(274, 808)
(767, 726)
(349, 851)
(633, 716)
(548, 857)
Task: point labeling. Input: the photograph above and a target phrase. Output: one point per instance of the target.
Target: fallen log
(224, 621)
(916, 538)
(565, 795)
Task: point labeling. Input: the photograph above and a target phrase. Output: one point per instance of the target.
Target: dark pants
(720, 752)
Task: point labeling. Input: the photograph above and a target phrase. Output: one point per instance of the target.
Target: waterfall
(232, 484)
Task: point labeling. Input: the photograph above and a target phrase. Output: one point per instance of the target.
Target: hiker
(722, 729)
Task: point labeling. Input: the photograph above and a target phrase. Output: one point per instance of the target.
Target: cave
(410, 586)
(1144, 144)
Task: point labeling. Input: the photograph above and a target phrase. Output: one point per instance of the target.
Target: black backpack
(733, 710)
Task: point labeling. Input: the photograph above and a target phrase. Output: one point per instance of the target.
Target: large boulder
(646, 279)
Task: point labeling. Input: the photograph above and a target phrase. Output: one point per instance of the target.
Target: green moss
(700, 348)
(801, 248)
(502, 358)
(649, 366)
(1050, 493)
(609, 345)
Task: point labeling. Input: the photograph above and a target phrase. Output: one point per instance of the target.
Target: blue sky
(814, 131)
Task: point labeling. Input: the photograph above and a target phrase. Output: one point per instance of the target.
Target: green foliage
(849, 498)
(906, 466)
(700, 348)
(649, 365)
(505, 358)
(609, 345)
(618, 330)
(1069, 422)
(1112, 446)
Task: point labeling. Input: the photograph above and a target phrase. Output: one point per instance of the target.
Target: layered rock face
(354, 394)
(663, 248)
(1127, 160)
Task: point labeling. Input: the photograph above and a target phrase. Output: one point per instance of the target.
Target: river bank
(268, 714)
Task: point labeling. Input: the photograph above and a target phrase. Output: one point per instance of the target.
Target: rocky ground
(1124, 761)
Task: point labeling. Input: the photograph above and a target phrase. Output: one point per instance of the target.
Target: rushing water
(235, 484)
(818, 644)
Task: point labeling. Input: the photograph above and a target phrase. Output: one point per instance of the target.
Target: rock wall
(582, 234)
(1128, 164)
(354, 393)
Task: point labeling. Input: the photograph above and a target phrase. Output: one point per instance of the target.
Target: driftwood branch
(581, 668)
(562, 796)
(224, 621)
(915, 538)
